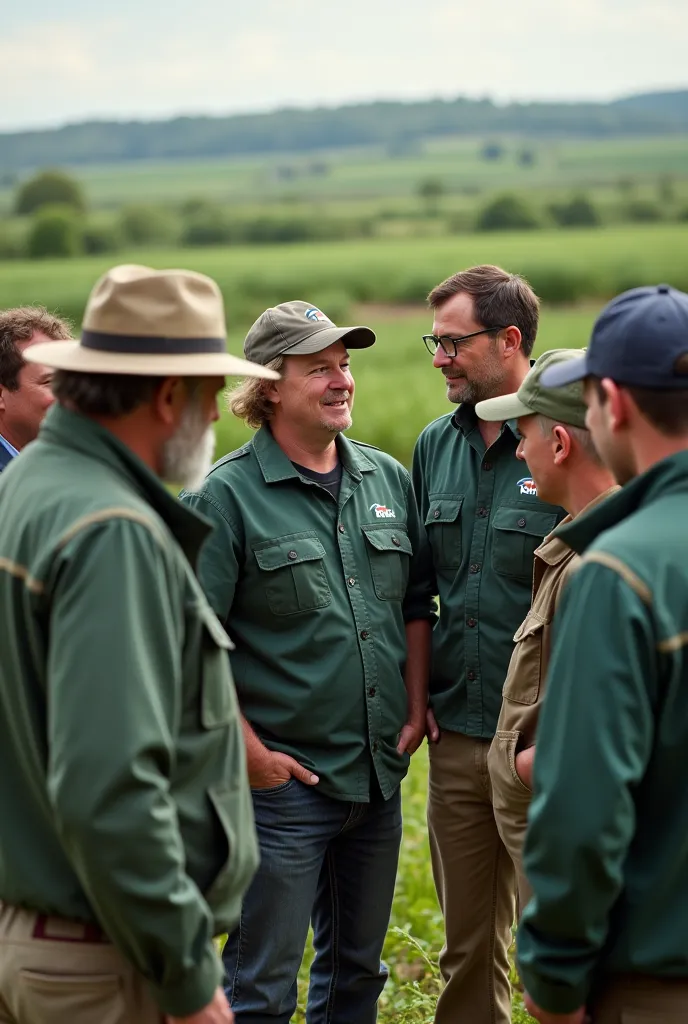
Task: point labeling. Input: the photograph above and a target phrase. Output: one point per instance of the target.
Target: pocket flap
(213, 625)
(388, 538)
(524, 520)
(290, 550)
(443, 508)
(530, 625)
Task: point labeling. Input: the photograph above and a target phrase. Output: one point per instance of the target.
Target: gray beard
(188, 455)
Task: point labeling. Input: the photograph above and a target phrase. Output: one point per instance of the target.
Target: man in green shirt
(313, 569)
(483, 521)
(606, 855)
(126, 833)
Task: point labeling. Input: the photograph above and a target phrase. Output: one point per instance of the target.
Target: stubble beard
(462, 391)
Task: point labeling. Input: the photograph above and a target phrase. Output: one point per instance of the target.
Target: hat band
(147, 346)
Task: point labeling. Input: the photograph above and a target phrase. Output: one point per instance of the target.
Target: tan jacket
(524, 687)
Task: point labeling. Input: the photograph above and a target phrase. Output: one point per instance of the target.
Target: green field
(359, 173)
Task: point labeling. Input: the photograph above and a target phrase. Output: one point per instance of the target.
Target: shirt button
(396, 541)
(471, 622)
(470, 675)
(487, 466)
(351, 581)
(482, 512)
(364, 634)
(521, 522)
(292, 555)
(475, 567)
(371, 691)
(436, 514)
(340, 528)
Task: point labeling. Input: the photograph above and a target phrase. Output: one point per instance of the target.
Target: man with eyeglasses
(483, 521)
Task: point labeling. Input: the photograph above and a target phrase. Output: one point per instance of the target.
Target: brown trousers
(639, 999)
(61, 972)
(475, 883)
(510, 799)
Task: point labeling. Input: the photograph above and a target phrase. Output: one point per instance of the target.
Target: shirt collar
(668, 476)
(276, 466)
(8, 447)
(80, 433)
(554, 549)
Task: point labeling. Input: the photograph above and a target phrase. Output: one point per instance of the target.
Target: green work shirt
(315, 594)
(122, 780)
(483, 521)
(606, 850)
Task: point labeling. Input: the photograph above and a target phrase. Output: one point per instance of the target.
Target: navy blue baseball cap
(638, 340)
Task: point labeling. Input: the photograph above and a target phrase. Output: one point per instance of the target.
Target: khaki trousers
(511, 800)
(60, 972)
(475, 883)
(639, 999)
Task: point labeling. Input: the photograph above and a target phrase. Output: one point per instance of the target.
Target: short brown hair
(18, 325)
(665, 408)
(248, 400)
(498, 298)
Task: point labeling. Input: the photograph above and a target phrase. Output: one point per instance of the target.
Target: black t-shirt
(330, 481)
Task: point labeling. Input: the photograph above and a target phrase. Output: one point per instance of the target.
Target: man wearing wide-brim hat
(314, 568)
(126, 832)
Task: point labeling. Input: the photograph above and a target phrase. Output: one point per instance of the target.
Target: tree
(507, 213)
(430, 190)
(526, 157)
(49, 188)
(492, 151)
(56, 232)
(578, 212)
(148, 225)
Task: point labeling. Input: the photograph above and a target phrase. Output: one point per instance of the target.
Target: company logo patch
(316, 314)
(527, 486)
(382, 512)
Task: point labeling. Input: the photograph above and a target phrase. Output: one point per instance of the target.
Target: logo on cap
(527, 486)
(316, 314)
(382, 512)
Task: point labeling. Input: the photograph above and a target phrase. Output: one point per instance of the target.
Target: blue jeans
(330, 862)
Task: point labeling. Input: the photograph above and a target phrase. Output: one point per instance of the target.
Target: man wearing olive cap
(567, 471)
(126, 832)
(606, 933)
(312, 568)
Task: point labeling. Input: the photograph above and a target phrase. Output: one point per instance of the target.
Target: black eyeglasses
(450, 346)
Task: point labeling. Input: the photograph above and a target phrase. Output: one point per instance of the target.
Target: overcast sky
(76, 59)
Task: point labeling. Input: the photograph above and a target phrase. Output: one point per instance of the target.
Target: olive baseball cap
(564, 404)
(299, 328)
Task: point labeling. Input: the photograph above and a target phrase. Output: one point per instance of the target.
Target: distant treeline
(398, 127)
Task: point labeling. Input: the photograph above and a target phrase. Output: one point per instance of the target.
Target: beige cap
(144, 322)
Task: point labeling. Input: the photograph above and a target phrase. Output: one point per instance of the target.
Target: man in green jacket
(483, 519)
(313, 569)
(606, 856)
(126, 832)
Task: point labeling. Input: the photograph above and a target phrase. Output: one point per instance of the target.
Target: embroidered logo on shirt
(527, 486)
(316, 314)
(382, 512)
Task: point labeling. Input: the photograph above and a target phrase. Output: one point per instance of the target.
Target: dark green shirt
(606, 851)
(315, 594)
(123, 792)
(483, 521)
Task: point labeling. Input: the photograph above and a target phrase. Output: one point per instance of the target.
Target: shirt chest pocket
(443, 526)
(218, 699)
(522, 683)
(516, 533)
(389, 551)
(293, 572)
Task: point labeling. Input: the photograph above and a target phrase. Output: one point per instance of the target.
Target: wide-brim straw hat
(144, 322)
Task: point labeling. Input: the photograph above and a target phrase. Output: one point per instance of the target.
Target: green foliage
(507, 213)
(49, 188)
(100, 238)
(492, 151)
(56, 231)
(142, 224)
(642, 211)
(526, 157)
(578, 212)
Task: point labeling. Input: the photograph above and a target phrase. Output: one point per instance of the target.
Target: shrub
(99, 238)
(148, 225)
(642, 211)
(579, 212)
(492, 151)
(56, 231)
(507, 213)
(49, 188)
